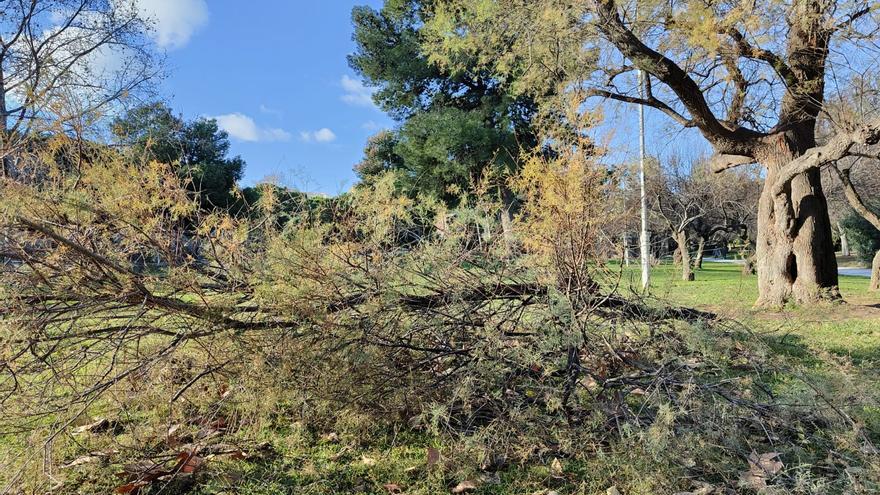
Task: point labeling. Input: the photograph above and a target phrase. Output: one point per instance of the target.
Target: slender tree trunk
(844, 240)
(509, 204)
(698, 260)
(686, 273)
(795, 252)
(875, 273)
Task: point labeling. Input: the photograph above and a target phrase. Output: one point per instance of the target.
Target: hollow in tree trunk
(795, 251)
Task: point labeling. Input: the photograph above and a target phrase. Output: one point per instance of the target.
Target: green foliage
(289, 333)
(862, 235)
(455, 125)
(197, 149)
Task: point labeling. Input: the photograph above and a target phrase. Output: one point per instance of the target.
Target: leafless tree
(63, 62)
(696, 208)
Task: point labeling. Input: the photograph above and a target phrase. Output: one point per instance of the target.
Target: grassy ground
(828, 339)
(850, 329)
(840, 341)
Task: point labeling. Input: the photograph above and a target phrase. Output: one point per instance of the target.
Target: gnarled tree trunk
(795, 251)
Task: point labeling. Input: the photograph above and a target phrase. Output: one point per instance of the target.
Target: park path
(847, 271)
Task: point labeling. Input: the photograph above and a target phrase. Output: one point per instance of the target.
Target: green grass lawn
(849, 329)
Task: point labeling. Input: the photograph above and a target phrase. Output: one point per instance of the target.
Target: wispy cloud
(270, 111)
(356, 93)
(174, 21)
(324, 135)
(243, 128)
(372, 126)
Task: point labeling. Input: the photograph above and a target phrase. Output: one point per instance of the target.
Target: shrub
(351, 328)
(863, 237)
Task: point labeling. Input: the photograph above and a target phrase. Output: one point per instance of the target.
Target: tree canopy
(455, 125)
(198, 149)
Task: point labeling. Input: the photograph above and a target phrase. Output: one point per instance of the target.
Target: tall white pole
(645, 235)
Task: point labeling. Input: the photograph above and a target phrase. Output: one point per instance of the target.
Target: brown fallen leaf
(131, 488)
(189, 462)
(761, 468)
(768, 463)
(556, 467)
(465, 487)
(392, 487)
(433, 456)
(755, 481)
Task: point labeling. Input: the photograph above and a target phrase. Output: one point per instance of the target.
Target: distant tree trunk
(875, 273)
(749, 267)
(686, 273)
(508, 208)
(844, 241)
(701, 246)
(795, 252)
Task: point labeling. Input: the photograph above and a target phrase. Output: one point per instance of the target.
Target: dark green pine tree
(453, 127)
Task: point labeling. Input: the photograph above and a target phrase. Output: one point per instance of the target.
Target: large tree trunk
(682, 240)
(875, 273)
(795, 252)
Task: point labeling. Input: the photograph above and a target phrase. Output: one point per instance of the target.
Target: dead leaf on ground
(433, 456)
(189, 462)
(465, 487)
(761, 468)
(556, 467)
(392, 487)
(768, 463)
(131, 488)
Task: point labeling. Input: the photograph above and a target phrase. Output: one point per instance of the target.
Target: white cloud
(174, 21)
(356, 93)
(320, 136)
(242, 127)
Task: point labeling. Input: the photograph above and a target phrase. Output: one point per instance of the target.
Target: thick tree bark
(795, 251)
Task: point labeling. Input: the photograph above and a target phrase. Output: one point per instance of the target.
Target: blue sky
(274, 73)
(275, 76)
